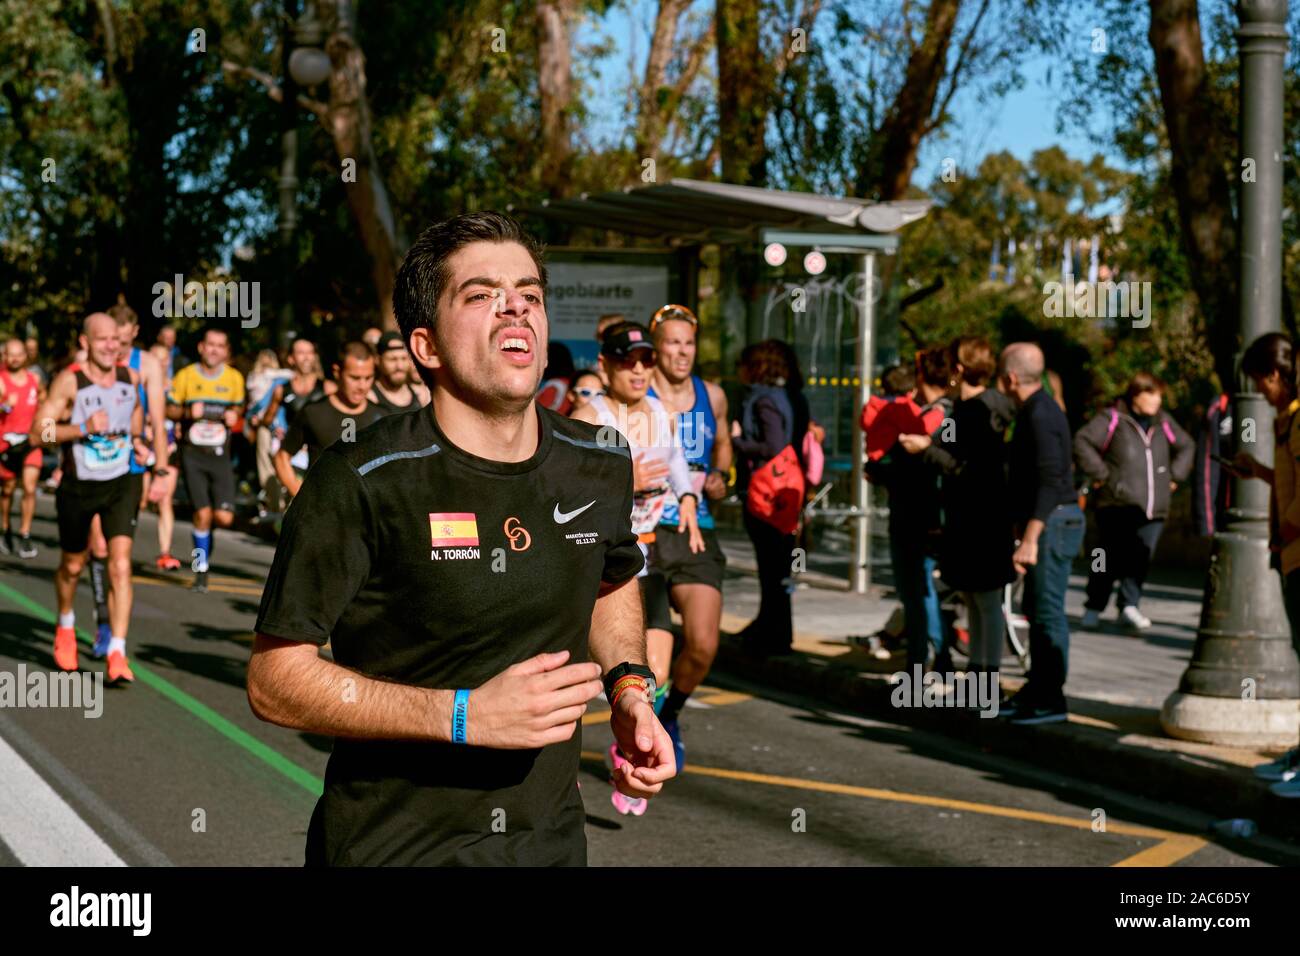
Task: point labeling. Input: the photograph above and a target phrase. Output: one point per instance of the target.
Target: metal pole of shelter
(860, 573)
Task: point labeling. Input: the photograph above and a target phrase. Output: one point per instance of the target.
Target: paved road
(177, 770)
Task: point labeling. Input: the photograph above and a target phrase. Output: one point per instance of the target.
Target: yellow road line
(1175, 847)
(225, 589)
(1172, 848)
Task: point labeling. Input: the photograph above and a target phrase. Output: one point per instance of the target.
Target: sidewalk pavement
(1117, 684)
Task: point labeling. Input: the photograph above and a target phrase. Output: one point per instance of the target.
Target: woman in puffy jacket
(1135, 454)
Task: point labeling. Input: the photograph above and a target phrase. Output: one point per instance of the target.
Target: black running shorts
(116, 501)
(674, 559)
(654, 597)
(209, 479)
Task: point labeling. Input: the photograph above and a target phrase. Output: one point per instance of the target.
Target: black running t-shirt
(320, 424)
(423, 564)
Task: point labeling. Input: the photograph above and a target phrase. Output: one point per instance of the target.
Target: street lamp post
(1242, 685)
(302, 64)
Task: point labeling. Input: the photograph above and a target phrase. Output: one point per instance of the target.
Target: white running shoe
(1091, 619)
(1134, 618)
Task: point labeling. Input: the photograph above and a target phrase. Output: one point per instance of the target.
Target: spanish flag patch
(453, 529)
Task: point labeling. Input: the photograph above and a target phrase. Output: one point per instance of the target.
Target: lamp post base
(1231, 721)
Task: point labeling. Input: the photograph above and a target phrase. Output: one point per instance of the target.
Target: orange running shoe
(117, 669)
(65, 648)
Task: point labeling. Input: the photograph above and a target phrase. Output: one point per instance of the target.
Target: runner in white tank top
(660, 474)
(655, 452)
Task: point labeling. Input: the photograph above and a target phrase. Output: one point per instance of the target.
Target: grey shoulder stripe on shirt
(603, 446)
(370, 466)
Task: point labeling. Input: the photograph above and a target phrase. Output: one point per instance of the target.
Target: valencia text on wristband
(459, 713)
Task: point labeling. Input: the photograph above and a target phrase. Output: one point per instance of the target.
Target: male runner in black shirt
(392, 392)
(334, 417)
(462, 561)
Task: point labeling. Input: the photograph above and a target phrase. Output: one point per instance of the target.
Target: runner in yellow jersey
(207, 397)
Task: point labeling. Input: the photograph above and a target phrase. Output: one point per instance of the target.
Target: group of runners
(125, 424)
(469, 686)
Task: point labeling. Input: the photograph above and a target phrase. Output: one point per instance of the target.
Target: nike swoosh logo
(562, 518)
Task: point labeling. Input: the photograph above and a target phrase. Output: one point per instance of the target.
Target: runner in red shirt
(21, 393)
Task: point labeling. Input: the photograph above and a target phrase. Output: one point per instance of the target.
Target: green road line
(308, 781)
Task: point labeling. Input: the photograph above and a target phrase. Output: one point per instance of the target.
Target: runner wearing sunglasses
(585, 387)
(660, 477)
(694, 577)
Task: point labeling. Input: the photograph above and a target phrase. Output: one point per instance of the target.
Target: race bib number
(102, 452)
(208, 434)
(646, 511)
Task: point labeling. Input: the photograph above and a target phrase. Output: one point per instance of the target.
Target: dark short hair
(424, 274)
(356, 350)
(975, 356)
(209, 329)
(1143, 382)
(932, 367)
(898, 379)
(1268, 354)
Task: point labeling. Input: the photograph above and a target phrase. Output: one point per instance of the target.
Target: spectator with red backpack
(1135, 454)
(769, 441)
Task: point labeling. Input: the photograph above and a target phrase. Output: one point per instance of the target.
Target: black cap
(388, 341)
(624, 339)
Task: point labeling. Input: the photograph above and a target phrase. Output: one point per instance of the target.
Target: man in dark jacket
(1045, 510)
(1135, 454)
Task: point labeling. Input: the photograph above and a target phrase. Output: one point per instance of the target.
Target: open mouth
(517, 344)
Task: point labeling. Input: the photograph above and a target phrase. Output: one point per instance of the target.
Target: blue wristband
(459, 712)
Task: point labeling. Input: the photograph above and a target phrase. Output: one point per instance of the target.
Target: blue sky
(1021, 122)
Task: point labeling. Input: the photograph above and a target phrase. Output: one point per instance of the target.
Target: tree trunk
(1201, 189)
(348, 123)
(555, 91)
(743, 93)
(651, 120)
(886, 172)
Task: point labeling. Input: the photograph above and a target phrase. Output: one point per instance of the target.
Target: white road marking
(38, 826)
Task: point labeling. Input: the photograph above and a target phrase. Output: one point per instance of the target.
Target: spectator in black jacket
(971, 454)
(1135, 454)
(1049, 523)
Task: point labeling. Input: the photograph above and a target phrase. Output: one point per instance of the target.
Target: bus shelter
(797, 266)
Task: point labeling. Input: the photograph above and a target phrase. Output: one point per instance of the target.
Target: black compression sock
(673, 705)
(98, 586)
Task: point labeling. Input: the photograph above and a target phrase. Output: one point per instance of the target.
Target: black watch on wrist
(623, 670)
